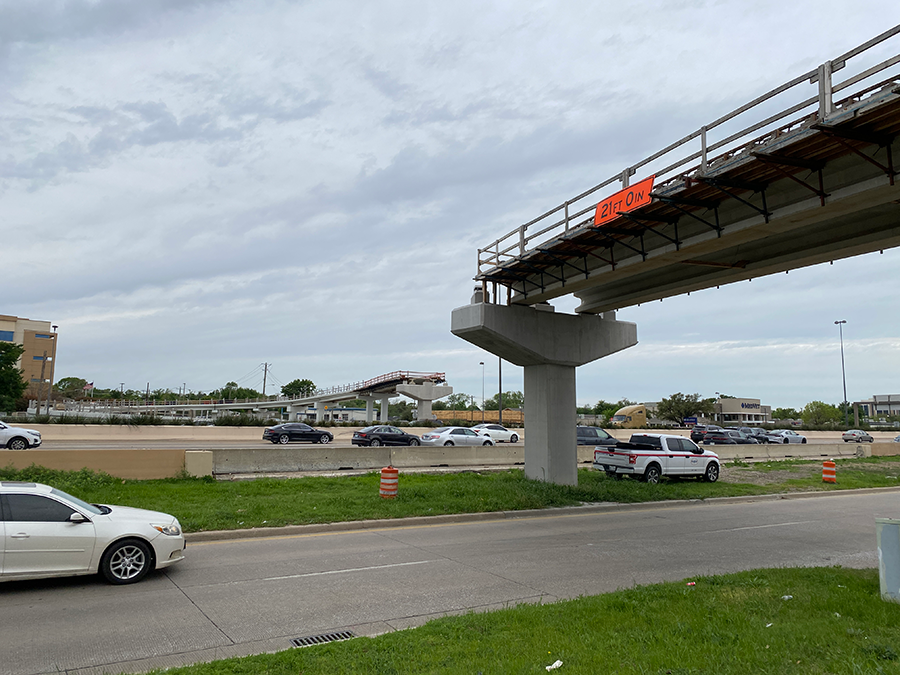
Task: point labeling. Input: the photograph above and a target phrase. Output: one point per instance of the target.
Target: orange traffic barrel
(829, 474)
(389, 477)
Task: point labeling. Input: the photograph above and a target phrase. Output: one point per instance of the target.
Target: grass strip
(791, 620)
(206, 504)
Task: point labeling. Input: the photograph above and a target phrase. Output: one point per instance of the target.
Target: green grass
(835, 623)
(206, 504)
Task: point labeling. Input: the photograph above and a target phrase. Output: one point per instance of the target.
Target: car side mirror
(77, 518)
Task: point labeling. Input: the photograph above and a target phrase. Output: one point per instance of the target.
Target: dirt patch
(732, 473)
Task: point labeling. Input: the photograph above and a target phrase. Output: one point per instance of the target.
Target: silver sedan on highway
(454, 436)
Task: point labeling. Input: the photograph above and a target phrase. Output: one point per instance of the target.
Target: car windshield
(440, 430)
(83, 504)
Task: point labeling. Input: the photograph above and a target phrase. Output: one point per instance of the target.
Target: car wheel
(17, 444)
(374, 443)
(803, 440)
(284, 439)
(324, 438)
(513, 439)
(711, 475)
(652, 474)
(413, 441)
(126, 562)
(786, 441)
(448, 443)
(487, 443)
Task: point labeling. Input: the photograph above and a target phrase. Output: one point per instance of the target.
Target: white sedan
(786, 436)
(497, 433)
(454, 436)
(45, 532)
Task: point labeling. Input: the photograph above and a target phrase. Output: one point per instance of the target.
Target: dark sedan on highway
(383, 435)
(296, 431)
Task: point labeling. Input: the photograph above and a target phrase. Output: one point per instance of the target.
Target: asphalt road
(244, 596)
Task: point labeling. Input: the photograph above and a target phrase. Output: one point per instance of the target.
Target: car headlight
(171, 530)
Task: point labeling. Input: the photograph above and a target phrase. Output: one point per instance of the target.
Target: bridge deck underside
(819, 192)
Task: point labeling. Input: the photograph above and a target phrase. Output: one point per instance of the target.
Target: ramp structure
(810, 183)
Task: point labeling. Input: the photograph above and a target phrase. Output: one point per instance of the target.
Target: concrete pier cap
(424, 394)
(549, 346)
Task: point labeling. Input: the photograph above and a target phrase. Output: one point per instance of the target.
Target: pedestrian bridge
(811, 183)
(422, 387)
(801, 175)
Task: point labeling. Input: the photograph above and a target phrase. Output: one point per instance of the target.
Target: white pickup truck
(651, 456)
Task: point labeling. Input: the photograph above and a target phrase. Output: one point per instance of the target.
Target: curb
(604, 507)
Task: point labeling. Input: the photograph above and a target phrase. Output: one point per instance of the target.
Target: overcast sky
(192, 189)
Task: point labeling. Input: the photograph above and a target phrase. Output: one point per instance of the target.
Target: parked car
(896, 439)
(593, 436)
(454, 436)
(700, 429)
(48, 533)
(498, 433)
(651, 456)
(718, 437)
(18, 438)
(741, 438)
(856, 436)
(383, 435)
(296, 431)
(761, 435)
(786, 436)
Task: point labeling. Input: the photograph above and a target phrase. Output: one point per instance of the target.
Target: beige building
(39, 340)
(744, 412)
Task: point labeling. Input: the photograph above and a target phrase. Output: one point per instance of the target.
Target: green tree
(459, 402)
(678, 406)
(12, 386)
(817, 413)
(511, 399)
(299, 388)
(403, 410)
(70, 387)
(785, 414)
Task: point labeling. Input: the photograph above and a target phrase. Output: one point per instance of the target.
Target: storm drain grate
(323, 638)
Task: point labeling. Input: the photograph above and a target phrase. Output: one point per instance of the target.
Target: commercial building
(38, 361)
(879, 406)
(745, 412)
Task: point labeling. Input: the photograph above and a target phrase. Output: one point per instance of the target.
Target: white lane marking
(352, 569)
(761, 527)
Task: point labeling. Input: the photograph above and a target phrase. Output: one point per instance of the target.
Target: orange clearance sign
(623, 201)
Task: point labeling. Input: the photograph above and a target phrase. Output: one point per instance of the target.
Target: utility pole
(265, 375)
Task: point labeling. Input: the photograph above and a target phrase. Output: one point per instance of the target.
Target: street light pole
(481, 363)
(840, 325)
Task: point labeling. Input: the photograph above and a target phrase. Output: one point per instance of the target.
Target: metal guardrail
(572, 212)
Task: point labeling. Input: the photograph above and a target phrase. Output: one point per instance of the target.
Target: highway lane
(253, 595)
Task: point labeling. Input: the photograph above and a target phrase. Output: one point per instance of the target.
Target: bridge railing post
(826, 102)
(703, 162)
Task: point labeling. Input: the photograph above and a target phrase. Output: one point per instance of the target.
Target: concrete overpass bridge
(422, 387)
(810, 183)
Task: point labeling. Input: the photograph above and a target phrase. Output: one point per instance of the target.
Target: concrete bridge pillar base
(320, 411)
(549, 346)
(383, 410)
(370, 409)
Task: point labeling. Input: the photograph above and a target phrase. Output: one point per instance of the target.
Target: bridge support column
(549, 346)
(383, 410)
(424, 394)
(320, 411)
(370, 409)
